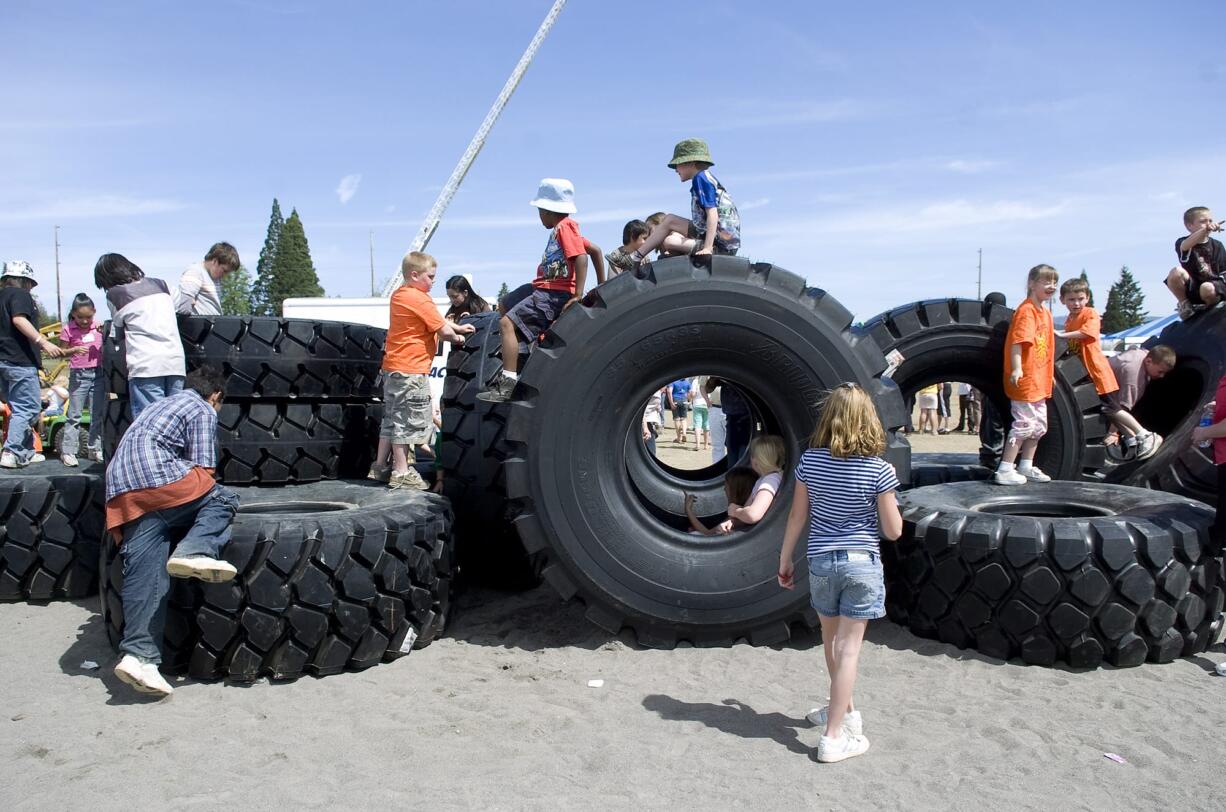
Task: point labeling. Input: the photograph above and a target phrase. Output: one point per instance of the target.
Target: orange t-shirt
(1091, 353)
(1032, 328)
(411, 335)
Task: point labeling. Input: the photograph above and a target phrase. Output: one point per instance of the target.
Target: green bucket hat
(691, 149)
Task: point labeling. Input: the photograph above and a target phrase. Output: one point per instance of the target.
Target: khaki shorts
(407, 413)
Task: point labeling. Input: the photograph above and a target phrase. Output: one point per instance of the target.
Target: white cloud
(969, 167)
(347, 188)
(85, 207)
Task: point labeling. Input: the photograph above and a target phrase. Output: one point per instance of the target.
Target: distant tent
(1136, 336)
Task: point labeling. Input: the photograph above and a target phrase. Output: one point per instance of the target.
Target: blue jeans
(81, 385)
(145, 549)
(847, 583)
(19, 389)
(144, 391)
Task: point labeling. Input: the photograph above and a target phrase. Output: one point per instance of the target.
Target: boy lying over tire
(159, 485)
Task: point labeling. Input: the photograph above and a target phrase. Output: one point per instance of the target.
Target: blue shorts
(847, 583)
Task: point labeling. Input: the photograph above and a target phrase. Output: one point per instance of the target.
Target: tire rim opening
(296, 507)
(1044, 510)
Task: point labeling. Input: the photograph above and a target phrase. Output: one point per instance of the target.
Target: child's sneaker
(853, 723)
(1033, 474)
(499, 391)
(410, 479)
(142, 676)
(379, 473)
(36, 458)
(1147, 445)
(212, 570)
(69, 459)
(9, 460)
(1008, 478)
(846, 746)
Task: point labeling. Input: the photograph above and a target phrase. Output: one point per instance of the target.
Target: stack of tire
(333, 575)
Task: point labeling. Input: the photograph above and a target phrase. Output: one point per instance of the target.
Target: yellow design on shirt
(1040, 345)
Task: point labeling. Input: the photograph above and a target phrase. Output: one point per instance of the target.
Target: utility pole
(979, 278)
(59, 307)
(372, 262)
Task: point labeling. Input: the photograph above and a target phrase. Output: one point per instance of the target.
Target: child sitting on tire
(738, 485)
(1198, 282)
(846, 495)
(767, 455)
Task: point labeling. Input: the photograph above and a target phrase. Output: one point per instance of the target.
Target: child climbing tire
(332, 576)
(50, 526)
(1068, 572)
(582, 396)
(963, 340)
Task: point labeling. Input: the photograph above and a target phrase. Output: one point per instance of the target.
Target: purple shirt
(73, 336)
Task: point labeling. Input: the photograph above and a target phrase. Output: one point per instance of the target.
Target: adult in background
(963, 391)
(652, 419)
(715, 415)
(199, 291)
(21, 346)
(679, 404)
(738, 419)
(991, 428)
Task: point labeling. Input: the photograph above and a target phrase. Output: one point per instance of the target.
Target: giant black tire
(1172, 407)
(963, 340)
(273, 357)
(471, 454)
(333, 576)
(928, 468)
(50, 524)
(580, 399)
(280, 441)
(1068, 572)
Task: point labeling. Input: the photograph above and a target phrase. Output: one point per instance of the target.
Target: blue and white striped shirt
(163, 444)
(843, 499)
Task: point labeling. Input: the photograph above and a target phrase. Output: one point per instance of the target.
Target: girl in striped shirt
(845, 493)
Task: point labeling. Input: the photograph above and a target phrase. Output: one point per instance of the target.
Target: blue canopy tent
(1136, 336)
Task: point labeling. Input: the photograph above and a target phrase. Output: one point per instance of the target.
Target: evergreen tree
(236, 293)
(1125, 304)
(268, 255)
(1090, 290)
(502, 291)
(43, 314)
(293, 273)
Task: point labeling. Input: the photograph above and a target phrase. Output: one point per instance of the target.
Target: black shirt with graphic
(15, 348)
(1205, 262)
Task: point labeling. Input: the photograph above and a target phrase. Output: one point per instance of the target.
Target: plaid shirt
(166, 441)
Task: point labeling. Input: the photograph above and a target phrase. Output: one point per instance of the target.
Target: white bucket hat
(556, 195)
(20, 269)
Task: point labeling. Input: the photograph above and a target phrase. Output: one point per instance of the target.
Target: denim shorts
(847, 583)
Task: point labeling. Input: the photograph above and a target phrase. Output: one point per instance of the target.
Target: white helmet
(20, 269)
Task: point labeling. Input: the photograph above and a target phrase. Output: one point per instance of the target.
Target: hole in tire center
(1044, 510)
(742, 417)
(295, 507)
(1171, 401)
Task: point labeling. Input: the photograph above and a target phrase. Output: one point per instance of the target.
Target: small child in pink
(81, 336)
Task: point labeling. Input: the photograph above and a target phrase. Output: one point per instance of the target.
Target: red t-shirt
(557, 268)
(1219, 414)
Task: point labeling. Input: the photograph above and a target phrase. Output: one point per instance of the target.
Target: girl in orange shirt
(1029, 369)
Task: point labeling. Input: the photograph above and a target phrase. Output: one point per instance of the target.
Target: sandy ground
(499, 715)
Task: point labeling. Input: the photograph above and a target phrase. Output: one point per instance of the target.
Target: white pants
(718, 433)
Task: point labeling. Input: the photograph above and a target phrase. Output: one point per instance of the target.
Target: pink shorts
(1029, 421)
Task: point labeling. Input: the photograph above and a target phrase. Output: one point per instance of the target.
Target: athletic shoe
(36, 458)
(69, 459)
(9, 460)
(499, 391)
(202, 567)
(96, 456)
(1147, 445)
(846, 746)
(1033, 474)
(1187, 310)
(409, 480)
(1009, 478)
(853, 723)
(142, 676)
(379, 473)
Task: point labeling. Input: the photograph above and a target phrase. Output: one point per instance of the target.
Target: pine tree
(236, 293)
(44, 315)
(502, 291)
(268, 255)
(1090, 290)
(1125, 304)
(293, 273)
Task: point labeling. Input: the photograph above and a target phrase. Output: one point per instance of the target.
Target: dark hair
(739, 483)
(115, 269)
(223, 254)
(633, 230)
(472, 303)
(206, 380)
(995, 298)
(80, 300)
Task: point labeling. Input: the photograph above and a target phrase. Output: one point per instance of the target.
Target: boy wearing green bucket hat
(714, 226)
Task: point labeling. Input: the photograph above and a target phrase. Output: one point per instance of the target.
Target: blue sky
(872, 148)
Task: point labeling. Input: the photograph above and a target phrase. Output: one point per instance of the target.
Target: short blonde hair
(768, 451)
(849, 425)
(416, 262)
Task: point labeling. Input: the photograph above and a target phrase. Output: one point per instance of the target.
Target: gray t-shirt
(1129, 369)
(198, 294)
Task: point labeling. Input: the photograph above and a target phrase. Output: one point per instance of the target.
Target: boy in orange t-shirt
(414, 329)
(1029, 369)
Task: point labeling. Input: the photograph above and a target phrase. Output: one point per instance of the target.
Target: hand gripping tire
(50, 524)
(1079, 573)
(963, 340)
(471, 454)
(1172, 407)
(333, 576)
(580, 401)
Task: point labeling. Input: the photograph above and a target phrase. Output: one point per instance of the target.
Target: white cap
(556, 195)
(19, 268)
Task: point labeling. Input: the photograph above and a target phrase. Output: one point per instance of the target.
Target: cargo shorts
(408, 414)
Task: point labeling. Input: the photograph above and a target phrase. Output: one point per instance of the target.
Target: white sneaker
(69, 459)
(1008, 478)
(208, 569)
(853, 723)
(1033, 474)
(1147, 445)
(846, 746)
(142, 676)
(8, 460)
(36, 458)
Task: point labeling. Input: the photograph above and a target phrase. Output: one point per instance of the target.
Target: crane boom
(474, 147)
